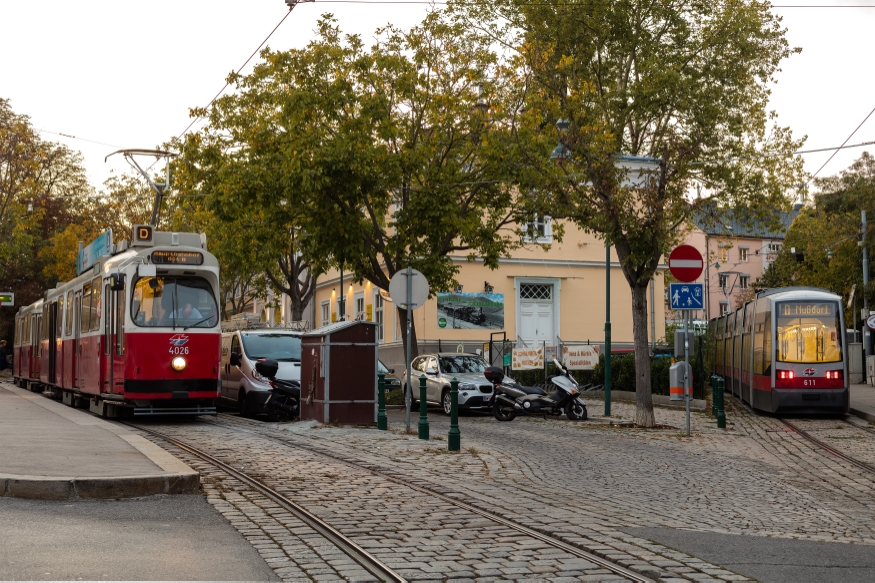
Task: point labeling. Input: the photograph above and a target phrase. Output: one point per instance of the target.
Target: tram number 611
(178, 350)
(809, 383)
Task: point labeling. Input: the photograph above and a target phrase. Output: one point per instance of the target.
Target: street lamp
(561, 152)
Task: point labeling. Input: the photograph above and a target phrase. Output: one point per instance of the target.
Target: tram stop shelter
(339, 373)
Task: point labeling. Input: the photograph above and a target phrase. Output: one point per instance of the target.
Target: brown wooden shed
(339, 373)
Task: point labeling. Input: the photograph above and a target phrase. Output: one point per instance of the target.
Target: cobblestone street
(583, 483)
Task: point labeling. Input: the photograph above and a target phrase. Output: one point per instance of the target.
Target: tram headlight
(178, 364)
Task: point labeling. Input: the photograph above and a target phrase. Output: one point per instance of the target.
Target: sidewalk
(54, 452)
(863, 402)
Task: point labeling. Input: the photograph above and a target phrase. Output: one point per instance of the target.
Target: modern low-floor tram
(138, 333)
(783, 351)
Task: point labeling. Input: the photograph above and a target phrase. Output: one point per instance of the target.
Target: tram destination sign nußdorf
(177, 257)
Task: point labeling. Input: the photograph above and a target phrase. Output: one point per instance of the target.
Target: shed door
(536, 314)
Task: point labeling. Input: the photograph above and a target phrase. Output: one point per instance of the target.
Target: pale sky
(125, 73)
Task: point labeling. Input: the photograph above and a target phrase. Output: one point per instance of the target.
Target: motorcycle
(285, 397)
(510, 398)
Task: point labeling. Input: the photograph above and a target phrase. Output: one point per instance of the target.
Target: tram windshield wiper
(198, 322)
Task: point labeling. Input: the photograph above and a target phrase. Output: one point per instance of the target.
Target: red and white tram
(783, 352)
(137, 333)
(25, 361)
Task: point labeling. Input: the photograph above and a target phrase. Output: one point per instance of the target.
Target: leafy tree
(683, 84)
(376, 158)
(37, 178)
(825, 237)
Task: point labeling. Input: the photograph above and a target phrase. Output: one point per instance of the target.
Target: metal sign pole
(687, 367)
(409, 328)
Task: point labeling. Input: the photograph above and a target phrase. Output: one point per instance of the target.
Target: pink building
(736, 254)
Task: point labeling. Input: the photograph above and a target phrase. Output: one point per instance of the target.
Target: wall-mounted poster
(473, 311)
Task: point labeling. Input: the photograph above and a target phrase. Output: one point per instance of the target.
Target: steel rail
(829, 448)
(554, 542)
(866, 429)
(369, 562)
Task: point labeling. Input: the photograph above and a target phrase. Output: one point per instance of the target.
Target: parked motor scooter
(511, 398)
(283, 402)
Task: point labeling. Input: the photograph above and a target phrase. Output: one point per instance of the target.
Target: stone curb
(176, 476)
(867, 415)
(68, 488)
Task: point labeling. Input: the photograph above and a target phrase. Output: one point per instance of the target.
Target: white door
(536, 314)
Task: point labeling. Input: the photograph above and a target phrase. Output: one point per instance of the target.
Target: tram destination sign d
(685, 263)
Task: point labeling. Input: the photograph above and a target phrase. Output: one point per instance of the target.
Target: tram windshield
(283, 347)
(808, 332)
(173, 301)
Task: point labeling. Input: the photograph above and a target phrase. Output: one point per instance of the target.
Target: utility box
(855, 363)
(676, 380)
(679, 343)
(339, 373)
(870, 370)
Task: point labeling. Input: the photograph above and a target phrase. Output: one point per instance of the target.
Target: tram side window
(758, 339)
(59, 317)
(767, 344)
(85, 308)
(96, 304)
(68, 325)
(120, 322)
(808, 332)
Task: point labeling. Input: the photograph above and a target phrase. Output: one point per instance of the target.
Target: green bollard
(721, 415)
(714, 395)
(382, 421)
(454, 439)
(423, 411)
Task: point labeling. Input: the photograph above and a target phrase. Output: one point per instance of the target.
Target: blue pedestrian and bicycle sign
(687, 296)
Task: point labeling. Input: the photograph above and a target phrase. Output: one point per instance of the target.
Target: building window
(542, 227)
(724, 281)
(536, 291)
(326, 313)
(724, 308)
(359, 305)
(742, 253)
(724, 254)
(378, 314)
(743, 281)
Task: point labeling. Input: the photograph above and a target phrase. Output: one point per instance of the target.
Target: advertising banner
(94, 251)
(528, 358)
(580, 356)
(472, 311)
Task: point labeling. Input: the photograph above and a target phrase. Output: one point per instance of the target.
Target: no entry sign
(685, 263)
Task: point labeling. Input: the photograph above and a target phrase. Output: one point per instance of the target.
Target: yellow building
(542, 298)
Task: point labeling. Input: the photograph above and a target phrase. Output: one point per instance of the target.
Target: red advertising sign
(685, 263)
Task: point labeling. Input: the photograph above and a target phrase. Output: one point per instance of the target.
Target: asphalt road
(771, 560)
(156, 538)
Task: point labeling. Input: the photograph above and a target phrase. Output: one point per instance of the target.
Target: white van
(242, 387)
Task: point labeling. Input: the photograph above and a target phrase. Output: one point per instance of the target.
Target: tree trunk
(297, 310)
(414, 347)
(643, 391)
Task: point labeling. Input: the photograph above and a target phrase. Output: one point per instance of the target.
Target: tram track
(834, 451)
(423, 489)
(355, 552)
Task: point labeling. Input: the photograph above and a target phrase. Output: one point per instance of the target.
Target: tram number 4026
(178, 350)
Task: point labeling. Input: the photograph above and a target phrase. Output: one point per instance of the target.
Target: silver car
(440, 369)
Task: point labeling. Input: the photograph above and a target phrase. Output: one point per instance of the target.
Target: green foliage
(832, 223)
(38, 179)
(623, 373)
(379, 157)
